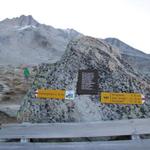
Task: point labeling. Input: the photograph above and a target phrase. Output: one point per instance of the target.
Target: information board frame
(89, 85)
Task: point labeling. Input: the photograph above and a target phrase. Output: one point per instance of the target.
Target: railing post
(135, 137)
(24, 140)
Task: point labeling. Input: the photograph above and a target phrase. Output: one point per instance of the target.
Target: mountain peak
(24, 17)
(26, 20)
(20, 21)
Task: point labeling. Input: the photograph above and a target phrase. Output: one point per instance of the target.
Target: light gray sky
(128, 20)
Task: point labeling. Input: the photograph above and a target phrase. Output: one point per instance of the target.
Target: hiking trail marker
(70, 94)
(121, 98)
(52, 94)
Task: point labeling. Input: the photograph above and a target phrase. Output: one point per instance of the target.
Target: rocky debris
(4, 118)
(3, 88)
(13, 83)
(136, 58)
(13, 88)
(10, 110)
(114, 75)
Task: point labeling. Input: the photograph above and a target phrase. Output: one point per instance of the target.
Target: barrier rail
(26, 132)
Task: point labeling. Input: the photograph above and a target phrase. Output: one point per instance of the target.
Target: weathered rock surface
(13, 88)
(114, 75)
(25, 41)
(137, 59)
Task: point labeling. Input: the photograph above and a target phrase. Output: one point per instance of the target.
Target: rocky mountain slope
(13, 88)
(114, 75)
(25, 41)
(136, 58)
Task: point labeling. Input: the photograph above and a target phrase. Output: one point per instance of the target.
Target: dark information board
(87, 82)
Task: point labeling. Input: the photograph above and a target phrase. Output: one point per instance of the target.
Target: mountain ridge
(118, 43)
(25, 41)
(20, 21)
(137, 59)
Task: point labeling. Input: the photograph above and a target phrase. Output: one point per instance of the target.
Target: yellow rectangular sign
(121, 98)
(46, 93)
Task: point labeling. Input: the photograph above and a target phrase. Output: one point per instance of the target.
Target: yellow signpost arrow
(121, 98)
(52, 94)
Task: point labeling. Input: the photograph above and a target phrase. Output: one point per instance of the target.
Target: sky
(127, 20)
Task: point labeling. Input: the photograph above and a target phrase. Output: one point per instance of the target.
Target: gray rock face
(13, 87)
(19, 21)
(25, 41)
(136, 58)
(114, 75)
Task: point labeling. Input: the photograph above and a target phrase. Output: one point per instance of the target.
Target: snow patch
(26, 27)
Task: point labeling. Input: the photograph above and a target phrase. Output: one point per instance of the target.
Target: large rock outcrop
(114, 75)
(137, 59)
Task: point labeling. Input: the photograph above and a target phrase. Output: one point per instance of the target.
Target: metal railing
(26, 133)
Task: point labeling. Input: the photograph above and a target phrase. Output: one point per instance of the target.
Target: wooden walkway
(24, 132)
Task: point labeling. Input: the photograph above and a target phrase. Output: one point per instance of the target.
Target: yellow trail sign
(46, 93)
(121, 98)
